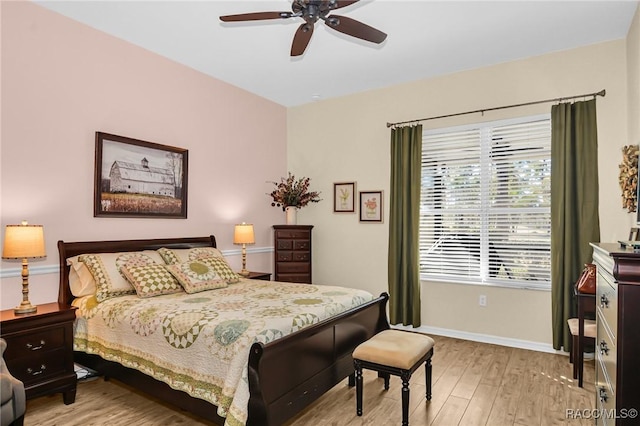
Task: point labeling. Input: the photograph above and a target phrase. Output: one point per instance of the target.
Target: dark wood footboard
(287, 375)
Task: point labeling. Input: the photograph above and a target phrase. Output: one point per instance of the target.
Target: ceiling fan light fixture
(311, 11)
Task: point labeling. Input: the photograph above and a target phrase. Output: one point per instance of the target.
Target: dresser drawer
(293, 256)
(605, 398)
(301, 245)
(291, 234)
(293, 267)
(26, 344)
(294, 278)
(606, 353)
(284, 245)
(607, 303)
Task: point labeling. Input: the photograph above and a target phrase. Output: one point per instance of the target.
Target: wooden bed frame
(285, 375)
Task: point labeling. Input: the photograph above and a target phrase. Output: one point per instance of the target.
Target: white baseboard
(485, 338)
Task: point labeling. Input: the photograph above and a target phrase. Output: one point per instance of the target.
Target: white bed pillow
(81, 280)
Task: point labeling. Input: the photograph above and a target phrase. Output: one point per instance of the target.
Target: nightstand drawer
(26, 344)
(34, 369)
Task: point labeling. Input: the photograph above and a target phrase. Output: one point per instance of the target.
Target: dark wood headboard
(66, 250)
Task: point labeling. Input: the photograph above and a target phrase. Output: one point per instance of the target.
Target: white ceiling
(425, 39)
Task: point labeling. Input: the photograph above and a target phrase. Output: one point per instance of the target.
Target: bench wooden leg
(358, 374)
(352, 380)
(405, 398)
(386, 376)
(427, 375)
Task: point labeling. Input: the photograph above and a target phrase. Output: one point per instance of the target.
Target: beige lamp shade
(243, 234)
(23, 241)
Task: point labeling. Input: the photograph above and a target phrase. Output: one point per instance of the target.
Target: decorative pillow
(81, 280)
(106, 270)
(174, 256)
(196, 276)
(222, 268)
(151, 280)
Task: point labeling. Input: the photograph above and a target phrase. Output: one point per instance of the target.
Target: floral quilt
(199, 343)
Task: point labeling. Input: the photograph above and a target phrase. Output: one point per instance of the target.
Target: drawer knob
(602, 394)
(604, 301)
(36, 348)
(34, 372)
(604, 349)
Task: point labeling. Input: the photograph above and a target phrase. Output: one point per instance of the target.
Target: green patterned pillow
(222, 268)
(174, 256)
(106, 271)
(196, 276)
(151, 280)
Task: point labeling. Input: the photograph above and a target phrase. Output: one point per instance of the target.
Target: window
(485, 213)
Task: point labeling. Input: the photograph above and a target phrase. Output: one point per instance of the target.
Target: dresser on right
(618, 335)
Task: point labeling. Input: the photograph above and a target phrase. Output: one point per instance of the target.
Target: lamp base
(244, 273)
(25, 308)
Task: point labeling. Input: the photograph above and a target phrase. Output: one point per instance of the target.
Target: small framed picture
(371, 206)
(344, 199)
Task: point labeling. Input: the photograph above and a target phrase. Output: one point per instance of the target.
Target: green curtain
(404, 225)
(574, 206)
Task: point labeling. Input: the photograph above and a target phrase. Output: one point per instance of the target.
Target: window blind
(485, 203)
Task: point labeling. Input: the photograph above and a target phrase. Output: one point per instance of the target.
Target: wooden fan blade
(301, 39)
(257, 16)
(339, 3)
(355, 28)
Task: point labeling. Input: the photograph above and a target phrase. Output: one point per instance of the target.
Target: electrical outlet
(482, 300)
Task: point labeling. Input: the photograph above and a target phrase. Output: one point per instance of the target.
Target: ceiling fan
(311, 11)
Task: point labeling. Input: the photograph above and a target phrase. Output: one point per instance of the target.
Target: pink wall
(63, 81)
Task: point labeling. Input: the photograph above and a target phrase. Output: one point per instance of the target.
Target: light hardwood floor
(473, 384)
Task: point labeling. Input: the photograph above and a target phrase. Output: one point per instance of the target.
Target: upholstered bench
(394, 352)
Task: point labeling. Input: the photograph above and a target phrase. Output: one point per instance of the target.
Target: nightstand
(40, 349)
(265, 276)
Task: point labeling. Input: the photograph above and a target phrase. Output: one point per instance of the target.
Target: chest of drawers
(292, 253)
(618, 335)
(40, 350)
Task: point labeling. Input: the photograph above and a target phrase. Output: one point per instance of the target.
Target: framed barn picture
(135, 178)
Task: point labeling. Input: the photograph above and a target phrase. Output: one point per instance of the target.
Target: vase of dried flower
(292, 215)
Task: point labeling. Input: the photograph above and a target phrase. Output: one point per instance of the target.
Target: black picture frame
(136, 178)
(371, 206)
(344, 197)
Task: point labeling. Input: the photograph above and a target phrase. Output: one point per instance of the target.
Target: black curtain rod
(602, 93)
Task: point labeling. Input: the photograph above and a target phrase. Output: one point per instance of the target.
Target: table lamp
(22, 242)
(243, 234)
